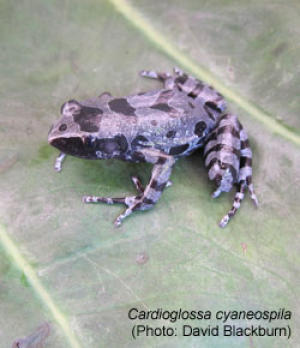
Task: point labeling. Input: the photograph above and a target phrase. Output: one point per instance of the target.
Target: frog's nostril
(50, 130)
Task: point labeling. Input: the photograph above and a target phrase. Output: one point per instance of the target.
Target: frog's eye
(62, 127)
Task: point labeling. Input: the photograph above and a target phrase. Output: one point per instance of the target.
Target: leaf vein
(142, 24)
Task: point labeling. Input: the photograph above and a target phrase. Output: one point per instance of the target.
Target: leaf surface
(63, 262)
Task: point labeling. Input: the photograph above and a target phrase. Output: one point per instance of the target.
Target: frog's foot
(148, 196)
(133, 203)
(155, 75)
(167, 79)
(58, 162)
(139, 202)
(216, 193)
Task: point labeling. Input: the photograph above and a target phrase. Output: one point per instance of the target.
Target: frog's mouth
(74, 146)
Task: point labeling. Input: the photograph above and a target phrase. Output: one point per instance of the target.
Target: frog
(159, 127)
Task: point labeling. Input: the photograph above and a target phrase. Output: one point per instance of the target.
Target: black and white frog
(158, 127)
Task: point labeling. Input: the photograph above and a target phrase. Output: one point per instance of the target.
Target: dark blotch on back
(176, 150)
(88, 118)
(121, 106)
(171, 134)
(162, 107)
(200, 128)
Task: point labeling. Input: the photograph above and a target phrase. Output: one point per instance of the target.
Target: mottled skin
(158, 127)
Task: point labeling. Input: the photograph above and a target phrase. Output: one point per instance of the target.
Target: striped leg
(139, 186)
(244, 179)
(246, 165)
(239, 196)
(222, 154)
(150, 195)
(58, 162)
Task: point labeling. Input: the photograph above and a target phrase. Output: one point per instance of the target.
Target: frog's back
(168, 120)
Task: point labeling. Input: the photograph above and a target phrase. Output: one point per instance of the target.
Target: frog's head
(76, 133)
(223, 175)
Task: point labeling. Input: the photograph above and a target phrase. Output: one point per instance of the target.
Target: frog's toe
(122, 216)
(224, 221)
(178, 71)
(169, 183)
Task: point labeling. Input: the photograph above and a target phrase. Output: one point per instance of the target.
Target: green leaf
(64, 262)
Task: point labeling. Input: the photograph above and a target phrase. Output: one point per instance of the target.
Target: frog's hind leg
(246, 165)
(244, 180)
(147, 197)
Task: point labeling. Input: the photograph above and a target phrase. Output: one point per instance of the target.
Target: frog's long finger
(122, 216)
(107, 200)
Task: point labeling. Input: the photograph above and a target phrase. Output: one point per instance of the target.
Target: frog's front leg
(58, 161)
(147, 197)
